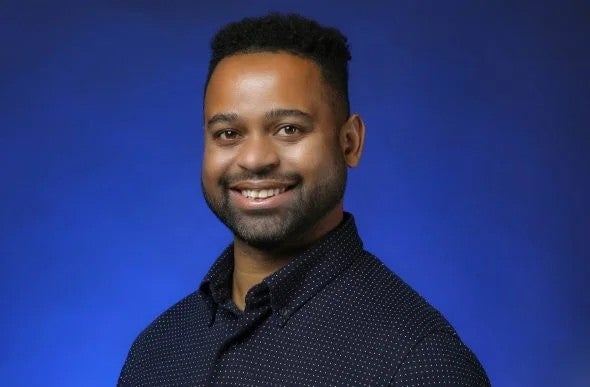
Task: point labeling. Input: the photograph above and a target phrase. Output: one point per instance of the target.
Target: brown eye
(288, 130)
(227, 134)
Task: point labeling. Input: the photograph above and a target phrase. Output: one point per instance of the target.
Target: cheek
(313, 159)
(215, 164)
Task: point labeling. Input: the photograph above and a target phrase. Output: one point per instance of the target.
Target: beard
(275, 228)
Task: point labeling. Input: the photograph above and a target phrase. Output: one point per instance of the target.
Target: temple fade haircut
(291, 33)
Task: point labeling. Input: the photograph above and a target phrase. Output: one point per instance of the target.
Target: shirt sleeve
(440, 359)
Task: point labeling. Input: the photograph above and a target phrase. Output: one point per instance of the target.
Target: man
(295, 300)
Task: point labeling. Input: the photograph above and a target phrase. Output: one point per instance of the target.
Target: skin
(270, 123)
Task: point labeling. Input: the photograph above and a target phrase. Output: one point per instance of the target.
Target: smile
(257, 195)
(262, 193)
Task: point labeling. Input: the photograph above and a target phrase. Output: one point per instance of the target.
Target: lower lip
(249, 204)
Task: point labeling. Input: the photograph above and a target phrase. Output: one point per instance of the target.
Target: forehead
(257, 82)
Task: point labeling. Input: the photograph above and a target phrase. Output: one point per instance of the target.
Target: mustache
(291, 178)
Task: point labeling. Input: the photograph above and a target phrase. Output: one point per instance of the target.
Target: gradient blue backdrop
(473, 186)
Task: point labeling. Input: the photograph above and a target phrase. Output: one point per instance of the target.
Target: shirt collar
(300, 279)
(217, 281)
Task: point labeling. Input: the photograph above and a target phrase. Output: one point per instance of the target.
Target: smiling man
(294, 300)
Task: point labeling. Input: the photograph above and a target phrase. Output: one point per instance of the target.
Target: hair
(295, 34)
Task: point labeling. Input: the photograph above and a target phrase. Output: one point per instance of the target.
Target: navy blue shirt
(334, 315)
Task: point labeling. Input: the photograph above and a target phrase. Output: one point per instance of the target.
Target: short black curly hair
(292, 33)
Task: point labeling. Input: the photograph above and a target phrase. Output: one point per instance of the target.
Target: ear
(352, 139)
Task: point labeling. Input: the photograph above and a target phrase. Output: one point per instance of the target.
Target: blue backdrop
(473, 186)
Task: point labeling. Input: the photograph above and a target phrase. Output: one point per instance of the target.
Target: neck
(252, 265)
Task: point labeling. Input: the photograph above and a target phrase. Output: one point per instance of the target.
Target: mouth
(262, 194)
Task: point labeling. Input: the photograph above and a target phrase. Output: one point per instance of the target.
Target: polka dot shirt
(334, 316)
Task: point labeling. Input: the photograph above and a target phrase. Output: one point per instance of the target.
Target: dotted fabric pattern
(335, 315)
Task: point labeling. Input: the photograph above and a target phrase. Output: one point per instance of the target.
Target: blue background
(473, 185)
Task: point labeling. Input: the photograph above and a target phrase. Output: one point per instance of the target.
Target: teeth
(261, 193)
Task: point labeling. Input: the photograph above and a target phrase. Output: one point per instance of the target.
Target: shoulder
(187, 311)
(168, 333)
(389, 299)
(414, 337)
(440, 358)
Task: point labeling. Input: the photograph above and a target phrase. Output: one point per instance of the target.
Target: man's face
(273, 171)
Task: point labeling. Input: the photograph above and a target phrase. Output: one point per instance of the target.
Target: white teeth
(262, 193)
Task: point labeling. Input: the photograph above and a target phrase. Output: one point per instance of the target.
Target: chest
(310, 348)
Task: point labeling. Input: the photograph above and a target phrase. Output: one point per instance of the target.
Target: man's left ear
(352, 139)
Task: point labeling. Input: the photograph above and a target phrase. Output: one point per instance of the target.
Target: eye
(227, 134)
(288, 130)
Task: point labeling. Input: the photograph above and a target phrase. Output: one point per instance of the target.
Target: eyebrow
(282, 113)
(222, 117)
(270, 115)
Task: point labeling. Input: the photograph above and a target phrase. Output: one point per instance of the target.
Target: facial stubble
(285, 226)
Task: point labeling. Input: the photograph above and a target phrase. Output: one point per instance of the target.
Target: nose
(258, 154)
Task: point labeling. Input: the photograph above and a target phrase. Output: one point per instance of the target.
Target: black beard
(274, 229)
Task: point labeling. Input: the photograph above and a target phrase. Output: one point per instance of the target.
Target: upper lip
(260, 184)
